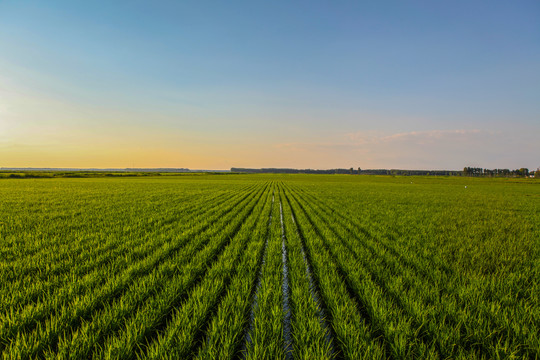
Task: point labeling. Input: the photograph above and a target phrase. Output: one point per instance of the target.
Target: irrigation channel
(265, 269)
(284, 338)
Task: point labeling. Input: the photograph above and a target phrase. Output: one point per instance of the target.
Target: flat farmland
(270, 267)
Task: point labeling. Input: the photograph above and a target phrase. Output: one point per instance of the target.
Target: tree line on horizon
(467, 171)
(522, 172)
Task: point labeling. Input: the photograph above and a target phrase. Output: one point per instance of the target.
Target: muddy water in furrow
(286, 309)
(247, 337)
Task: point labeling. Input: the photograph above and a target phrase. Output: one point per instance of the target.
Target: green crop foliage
(269, 267)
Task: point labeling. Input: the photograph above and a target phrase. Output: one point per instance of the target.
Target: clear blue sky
(320, 84)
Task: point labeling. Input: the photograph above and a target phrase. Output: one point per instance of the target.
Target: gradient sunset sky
(303, 84)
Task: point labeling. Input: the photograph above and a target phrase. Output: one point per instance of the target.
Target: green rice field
(270, 267)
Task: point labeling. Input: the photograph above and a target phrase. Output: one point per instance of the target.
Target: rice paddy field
(270, 267)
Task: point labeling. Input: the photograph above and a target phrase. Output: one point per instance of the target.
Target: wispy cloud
(419, 137)
(427, 149)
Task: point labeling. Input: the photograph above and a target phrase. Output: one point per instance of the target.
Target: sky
(299, 84)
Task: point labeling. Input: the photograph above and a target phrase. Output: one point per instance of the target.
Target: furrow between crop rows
(249, 329)
(423, 306)
(114, 294)
(286, 292)
(353, 329)
(362, 287)
(312, 335)
(225, 337)
(154, 301)
(186, 324)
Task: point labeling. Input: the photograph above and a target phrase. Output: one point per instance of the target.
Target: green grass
(193, 266)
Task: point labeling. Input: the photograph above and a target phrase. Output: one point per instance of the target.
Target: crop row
(41, 327)
(414, 316)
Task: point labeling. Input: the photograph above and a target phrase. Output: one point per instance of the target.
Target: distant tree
(351, 170)
(470, 171)
(359, 170)
(537, 174)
